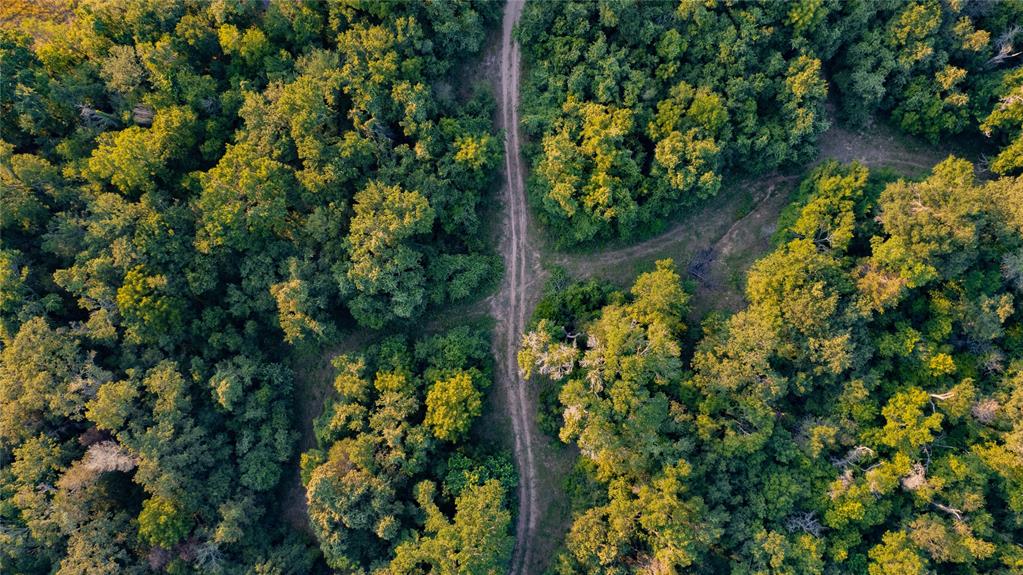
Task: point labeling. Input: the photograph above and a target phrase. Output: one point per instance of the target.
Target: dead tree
(854, 456)
(985, 410)
(950, 510)
(109, 456)
(142, 115)
(96, 119)
(806, 522)
(1006, 47)
(916, 479)
(208, 557)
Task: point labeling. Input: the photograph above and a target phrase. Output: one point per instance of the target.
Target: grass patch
(745, 204)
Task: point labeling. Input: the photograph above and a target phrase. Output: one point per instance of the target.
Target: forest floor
(511, 308)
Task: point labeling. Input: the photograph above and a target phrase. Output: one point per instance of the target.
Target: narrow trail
(711, 227)
(763, 187)
(511, 305)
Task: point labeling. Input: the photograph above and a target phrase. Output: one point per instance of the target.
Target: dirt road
(518, 293)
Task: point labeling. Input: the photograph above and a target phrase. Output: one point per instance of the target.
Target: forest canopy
(861, 415)
(190, 189)
(638, 109)
(387, 463)
(245, 249)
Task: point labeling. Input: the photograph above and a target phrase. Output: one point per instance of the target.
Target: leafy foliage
(858, 416)
(386, 442)
(638, 108)
(188, 189)
(1007, 120)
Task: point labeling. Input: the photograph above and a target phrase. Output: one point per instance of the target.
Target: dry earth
(512, 305)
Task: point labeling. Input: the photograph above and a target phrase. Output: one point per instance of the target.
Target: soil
(512, 304)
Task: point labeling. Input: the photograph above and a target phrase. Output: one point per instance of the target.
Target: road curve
(510, 305)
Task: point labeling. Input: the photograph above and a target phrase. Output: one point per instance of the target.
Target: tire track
(510, 307)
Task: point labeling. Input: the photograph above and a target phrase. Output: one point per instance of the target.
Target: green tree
(377, 442)
(135, 160)
(451, 405)
(592, 181)
(475, 541)
(149, 312)
(45, 379)
(297, 308)
(896, 555)
(1006, 119)
(386, 269)
(163, 522)
(244, 202)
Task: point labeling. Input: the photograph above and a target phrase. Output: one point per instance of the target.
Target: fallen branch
(950, 510)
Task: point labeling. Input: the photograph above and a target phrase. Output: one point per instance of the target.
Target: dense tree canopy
(859, 416)
(638, 108)
(188, 187)
(196, 196)
(387, 441)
